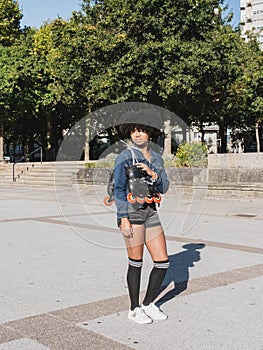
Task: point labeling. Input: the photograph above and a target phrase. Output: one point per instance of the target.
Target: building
(193, 134)
(251, 18)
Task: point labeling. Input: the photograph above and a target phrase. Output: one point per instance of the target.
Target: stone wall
(236, 174)
(235, 160)
(228, 175)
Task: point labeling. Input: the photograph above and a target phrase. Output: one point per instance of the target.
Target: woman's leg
(135, 246)
(156, 245)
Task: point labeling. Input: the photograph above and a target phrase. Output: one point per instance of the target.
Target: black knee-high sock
(155, 280)
(134, 281)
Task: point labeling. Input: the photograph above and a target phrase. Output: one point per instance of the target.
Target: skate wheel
(140, 200)
(107, 201)
(149, 199)
(131, 198)
(157, 198)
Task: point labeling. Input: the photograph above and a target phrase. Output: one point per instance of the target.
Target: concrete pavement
(63, 266)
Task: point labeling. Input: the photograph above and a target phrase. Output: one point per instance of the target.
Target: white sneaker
(139, 316)
(154, 312)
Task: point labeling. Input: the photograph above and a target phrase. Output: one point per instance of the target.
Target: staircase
(5, 174)
(47, 174)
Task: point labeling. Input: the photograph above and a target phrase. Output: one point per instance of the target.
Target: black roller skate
(109, 200)
(154, 195)
(141, 188)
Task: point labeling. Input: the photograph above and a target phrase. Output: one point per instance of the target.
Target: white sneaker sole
(157, 317)
(140, 320)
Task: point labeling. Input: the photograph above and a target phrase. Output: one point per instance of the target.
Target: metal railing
(23, 158)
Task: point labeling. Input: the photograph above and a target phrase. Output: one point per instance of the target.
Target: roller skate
(154, 195)
(141, 188)
(109, 200)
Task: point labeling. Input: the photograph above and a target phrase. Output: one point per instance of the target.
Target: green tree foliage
(144, 46)
(10, 16)
(215, 66)
(158, 51)
(17, 94)
(179, 55)
(248, 90)
(65, 61)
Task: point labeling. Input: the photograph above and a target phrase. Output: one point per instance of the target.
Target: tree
(178, 55)
(136, 41)
(249, 90)
(63, 48)
(17, 97)
(221, 63)
(142, 48)
(10, 16)
(43, 82)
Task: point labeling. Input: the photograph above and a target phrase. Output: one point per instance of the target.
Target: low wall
(235, 160)
(236, 174)
(227, 175)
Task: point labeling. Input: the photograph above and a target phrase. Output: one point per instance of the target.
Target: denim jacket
(120, 179)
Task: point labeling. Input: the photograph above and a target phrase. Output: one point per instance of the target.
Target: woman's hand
(148, 170)
(126, 228)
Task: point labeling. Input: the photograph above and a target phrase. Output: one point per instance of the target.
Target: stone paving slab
(227, 317)
(23, 344)
(64, 263)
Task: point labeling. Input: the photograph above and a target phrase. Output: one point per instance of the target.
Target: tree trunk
(49, 136)
(168, 137)
(1, 143)
(257, 135)
(184, 132)
(223, 138)
(87, 137)
(201, 129)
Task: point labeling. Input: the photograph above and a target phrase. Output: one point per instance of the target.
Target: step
(41, 174)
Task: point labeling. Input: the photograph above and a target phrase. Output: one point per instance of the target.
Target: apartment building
(251, 18)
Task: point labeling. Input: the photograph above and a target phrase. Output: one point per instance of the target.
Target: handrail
(24, 157)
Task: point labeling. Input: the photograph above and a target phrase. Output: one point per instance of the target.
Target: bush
(90, 165)
(169, 161)
(192, 154)
(106, 162)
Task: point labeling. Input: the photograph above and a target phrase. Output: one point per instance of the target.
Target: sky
(36, 12)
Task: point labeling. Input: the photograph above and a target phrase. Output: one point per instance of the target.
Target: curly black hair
(127, 129)
(146, 120)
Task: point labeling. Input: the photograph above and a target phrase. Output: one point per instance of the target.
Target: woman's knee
(157, 248)
(135, 253)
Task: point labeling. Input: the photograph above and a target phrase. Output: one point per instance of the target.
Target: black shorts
(144, 216)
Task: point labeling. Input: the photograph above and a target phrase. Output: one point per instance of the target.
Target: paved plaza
(63, 266)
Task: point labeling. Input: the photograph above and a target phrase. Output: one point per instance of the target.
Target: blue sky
(36, 12)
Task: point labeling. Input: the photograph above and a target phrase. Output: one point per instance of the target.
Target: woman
(139, 222)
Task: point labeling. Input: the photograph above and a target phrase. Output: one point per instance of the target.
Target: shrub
(90, 165)
(192, 154)
(169, 161)
(106, 162)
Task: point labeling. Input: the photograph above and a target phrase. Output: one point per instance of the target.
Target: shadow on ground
(178, 272)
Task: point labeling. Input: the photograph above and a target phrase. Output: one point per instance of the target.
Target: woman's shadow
(177, 275)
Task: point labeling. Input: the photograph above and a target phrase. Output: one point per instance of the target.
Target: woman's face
(139, 137)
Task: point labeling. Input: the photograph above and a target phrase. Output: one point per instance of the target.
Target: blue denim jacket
(120, 179)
